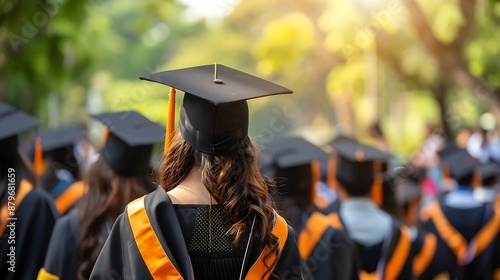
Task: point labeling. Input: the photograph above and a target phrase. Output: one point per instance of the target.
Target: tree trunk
(441, 91)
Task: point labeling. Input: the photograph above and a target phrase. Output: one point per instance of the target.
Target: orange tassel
(316, 177)
(377, 187)
(170, 120)
(477, 181)
(105, 134)
(446, 172)
(332, 173)
(37, 161)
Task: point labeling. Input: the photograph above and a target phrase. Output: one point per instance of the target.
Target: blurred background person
(379, 140)
(121, 174)
(27, 213)
(467, 229)
(61, 166)
(326, 250)
(383, 243)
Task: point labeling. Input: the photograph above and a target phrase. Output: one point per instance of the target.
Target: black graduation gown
(61, 258)
(36, 216)
(466, 223)
(426, 257)
(327, 250)
(370, 257)
(120, 257)
(333, 207)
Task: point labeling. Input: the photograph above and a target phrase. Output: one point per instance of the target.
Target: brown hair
(108, 194)
(234, 180)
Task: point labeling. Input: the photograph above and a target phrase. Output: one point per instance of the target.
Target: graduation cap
(292, 159)
(12, 123)
(130, 141)
(461, 165)
(406, 190)
(359, 167)
(329, 165)
(489, 172)
(58, 144)
(61, 137)
(214, 113)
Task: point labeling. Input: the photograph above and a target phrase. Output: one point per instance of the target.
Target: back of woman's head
(108, 194)
(235, 182)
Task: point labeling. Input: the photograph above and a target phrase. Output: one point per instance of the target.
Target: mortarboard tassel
(411, 217)
(105, 134)
(37, 160)
(377, 187)
(316, 177)
(476, 180)
(170, 120)
(331, 173)
(446, 172)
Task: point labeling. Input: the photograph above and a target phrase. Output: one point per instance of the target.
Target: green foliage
(348, 62)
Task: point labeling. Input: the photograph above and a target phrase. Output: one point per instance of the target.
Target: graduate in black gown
(328, 252)
(62, 173)
(383, 195)
(467, 229)
(383, 244)
(212, 217)
(27, 213)
(121, 174)
(424, 244)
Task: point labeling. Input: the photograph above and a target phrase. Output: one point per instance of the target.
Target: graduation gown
(146, 242)
(36, 216)
(426, 256)
(326, 249)
(468, 239)
(68, 195)
(389, 259)
(61, 260)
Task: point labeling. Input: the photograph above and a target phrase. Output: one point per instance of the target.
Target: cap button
(218, 81)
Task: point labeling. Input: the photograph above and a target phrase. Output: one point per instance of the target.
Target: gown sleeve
(289, 265)
(36, 216)
(61, 261)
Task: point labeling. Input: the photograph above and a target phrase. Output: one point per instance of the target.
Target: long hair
(108, 194)
(235, 182)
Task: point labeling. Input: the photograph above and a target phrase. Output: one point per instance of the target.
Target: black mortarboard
(489, 172)
(61, 137)
(461, 165)
(12, 123)
(328, 171)
(406, 190)
(214, 114)
(356, 165)
(58, 144)
(291, 158)
(130, 141)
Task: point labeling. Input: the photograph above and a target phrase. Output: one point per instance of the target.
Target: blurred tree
(447, 38)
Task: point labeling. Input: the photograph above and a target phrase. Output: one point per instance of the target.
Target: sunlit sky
(211, 8)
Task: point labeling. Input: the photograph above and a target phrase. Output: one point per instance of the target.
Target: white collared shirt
(364, 221)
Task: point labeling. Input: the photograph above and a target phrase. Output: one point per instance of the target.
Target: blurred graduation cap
(461, 165)
(214, 113)
(61, 137)
(488, 173)
(406, 190)
(329, 165)
(359, 169)
(292, 159)
(12, 123)
(58, 144)
(130, 141)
